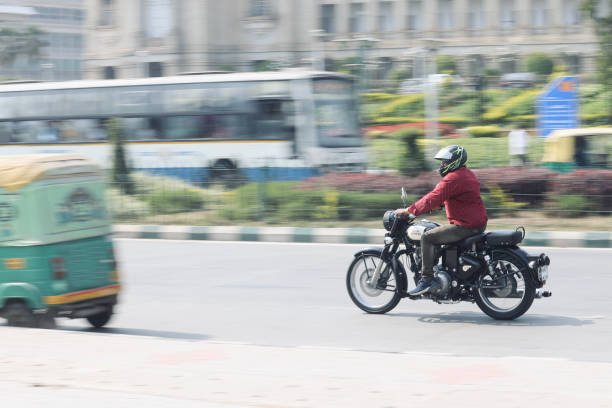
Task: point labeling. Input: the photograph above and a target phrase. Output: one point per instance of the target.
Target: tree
(15, 43)
(446, 64)
(603, 29)
(121, 171)
(540, 63)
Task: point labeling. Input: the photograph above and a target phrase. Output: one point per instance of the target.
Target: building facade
(62, 23)
(135, 38)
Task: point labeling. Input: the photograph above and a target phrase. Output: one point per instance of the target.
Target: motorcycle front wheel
(373, 297)
(506, 293)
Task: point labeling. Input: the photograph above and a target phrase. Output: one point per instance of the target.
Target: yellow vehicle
(568, 149)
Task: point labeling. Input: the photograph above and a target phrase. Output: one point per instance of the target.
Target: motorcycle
(487, 268)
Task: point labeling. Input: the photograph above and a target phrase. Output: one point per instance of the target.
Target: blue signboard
(557, 107)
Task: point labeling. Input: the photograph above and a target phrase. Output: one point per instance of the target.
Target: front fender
(24, 291)
(369, 251)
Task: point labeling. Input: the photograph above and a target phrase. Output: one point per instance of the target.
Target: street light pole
(431, 98)
(318, 58)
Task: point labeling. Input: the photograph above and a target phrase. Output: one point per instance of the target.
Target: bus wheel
(18, 314)
(100, 319)
(225, 172)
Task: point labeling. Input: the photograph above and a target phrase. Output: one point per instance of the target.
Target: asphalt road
(292, 295)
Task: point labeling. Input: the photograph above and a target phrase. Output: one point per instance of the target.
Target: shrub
(125, 207)
(403, 105)
(540, 63)
(521, 104)
(570, 206)
(484, 131)
(596, 185)
(595, 119)
(377, 97)
(372, 183)
(175, 201)
(358, 206)
(391, 120)
(497, 201)
(528, 185)
(456, 121)
(411, 156)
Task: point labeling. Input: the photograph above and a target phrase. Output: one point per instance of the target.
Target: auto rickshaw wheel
(18, 314)
(100, 319)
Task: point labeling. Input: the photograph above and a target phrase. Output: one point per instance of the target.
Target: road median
(577, 239)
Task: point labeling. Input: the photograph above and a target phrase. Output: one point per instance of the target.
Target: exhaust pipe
(540, 293)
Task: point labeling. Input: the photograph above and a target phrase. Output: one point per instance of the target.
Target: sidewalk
(104, 369)
(335, 235)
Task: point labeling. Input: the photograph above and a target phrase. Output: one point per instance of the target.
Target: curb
(578, 239)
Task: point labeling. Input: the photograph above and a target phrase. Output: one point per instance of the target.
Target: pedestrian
(518, 142)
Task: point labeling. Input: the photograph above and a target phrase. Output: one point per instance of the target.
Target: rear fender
(518, 253)
(21, 291)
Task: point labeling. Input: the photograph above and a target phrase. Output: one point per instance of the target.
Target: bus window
(273, 119)
(335, 113)
(149, 128)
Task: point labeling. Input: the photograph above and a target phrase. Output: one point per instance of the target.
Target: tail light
(58, 268)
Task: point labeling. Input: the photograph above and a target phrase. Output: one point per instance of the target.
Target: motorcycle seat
(504, 237)
(473, 239)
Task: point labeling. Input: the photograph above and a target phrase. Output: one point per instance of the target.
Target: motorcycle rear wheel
(377, 300)
(515, 298)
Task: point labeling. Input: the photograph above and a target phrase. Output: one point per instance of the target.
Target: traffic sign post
(558, 106)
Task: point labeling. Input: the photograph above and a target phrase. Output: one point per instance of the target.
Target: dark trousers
(444, 234)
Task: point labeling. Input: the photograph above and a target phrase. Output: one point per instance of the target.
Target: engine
(444, 279)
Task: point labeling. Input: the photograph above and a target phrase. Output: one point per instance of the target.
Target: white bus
(284, 125)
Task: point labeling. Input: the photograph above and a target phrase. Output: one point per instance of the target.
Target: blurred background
(313, 112)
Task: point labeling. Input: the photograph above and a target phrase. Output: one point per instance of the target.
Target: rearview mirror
(404, 197)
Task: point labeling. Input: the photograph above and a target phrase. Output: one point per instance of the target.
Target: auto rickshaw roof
(558, 134)
(20, 170)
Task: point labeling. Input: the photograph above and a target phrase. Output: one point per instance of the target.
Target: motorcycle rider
(459, 192)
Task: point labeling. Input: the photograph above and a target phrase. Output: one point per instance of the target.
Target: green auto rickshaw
(569, 149)
(56, 252)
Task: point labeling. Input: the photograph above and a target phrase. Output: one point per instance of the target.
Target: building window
(475, 14)
(155, 69)
(357, 18)
(106, 12)
(445, 15)
(259, 8)
(573, 63)
(328, 18)
(539, 14)
(109, 73)
(571, 12)
(158, 18)
(385, 16)
(415, 15)
(507, 13)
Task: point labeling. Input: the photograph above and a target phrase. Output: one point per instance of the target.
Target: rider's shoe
(424, 286)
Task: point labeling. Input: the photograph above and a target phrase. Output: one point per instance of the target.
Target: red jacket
(459, 192)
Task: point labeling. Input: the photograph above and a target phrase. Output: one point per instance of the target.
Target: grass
(482, 152)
